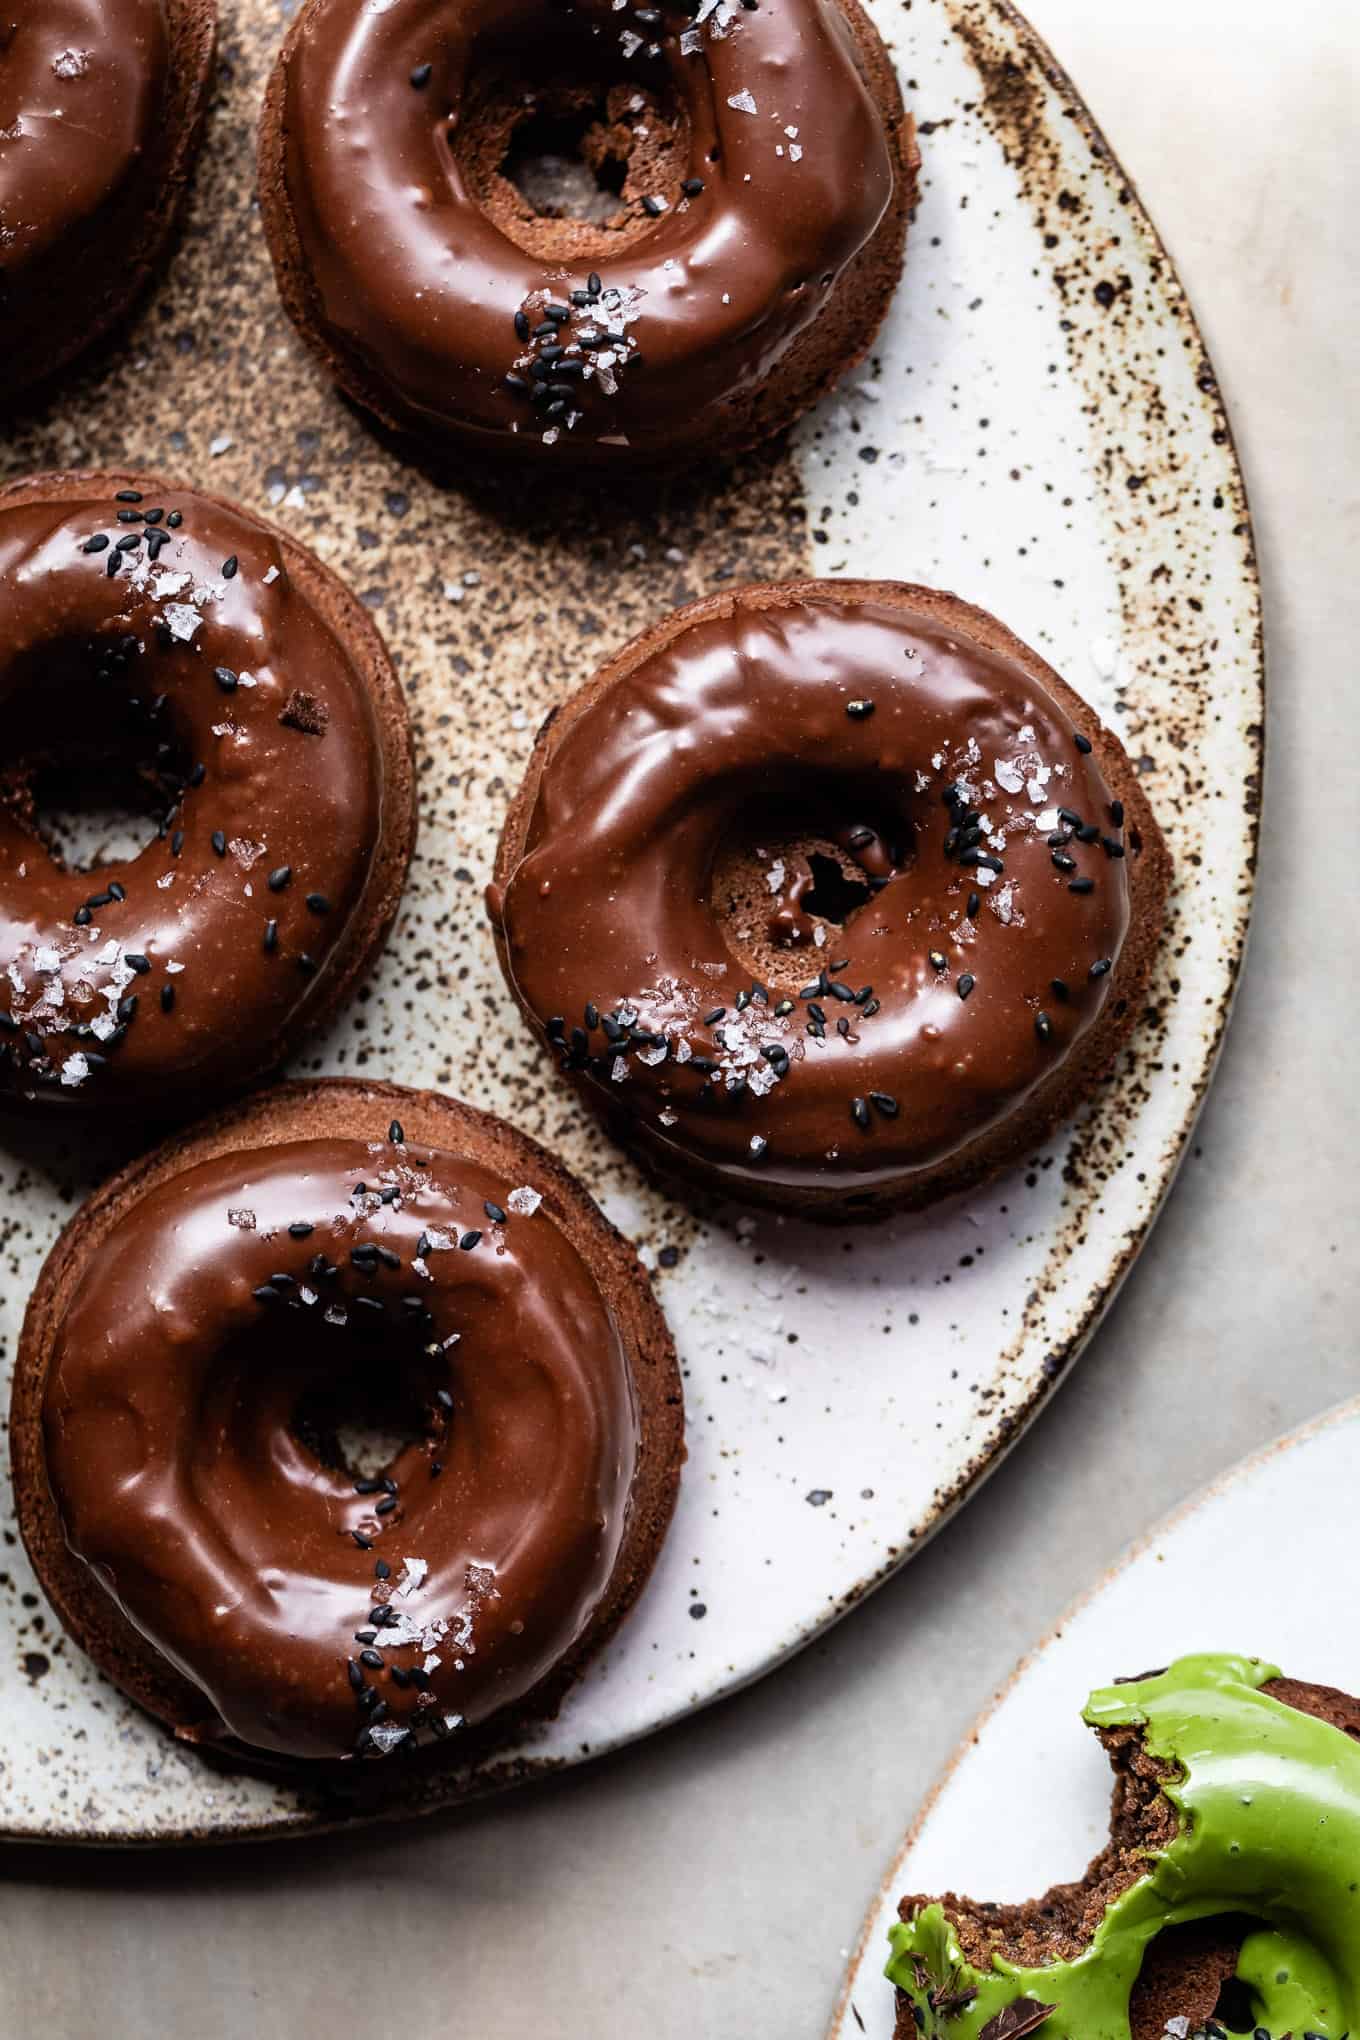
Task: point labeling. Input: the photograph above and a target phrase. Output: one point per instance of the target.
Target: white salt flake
(524, 1201)
(742, 102)
(387, 1735)
(75, 1072)
(222, 444)
(182, 620)
(413, 1574)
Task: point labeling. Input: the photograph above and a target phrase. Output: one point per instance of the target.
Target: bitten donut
(102, 105)
(1226, 1900)
(830, 895)
(207, 1325)
(173, 641)
(762, 170)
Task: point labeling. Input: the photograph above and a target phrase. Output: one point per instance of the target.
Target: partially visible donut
(830, 895)
(764, 169)
(249, 702)
(1225, 1901)
(198, 1333)
(102, 104)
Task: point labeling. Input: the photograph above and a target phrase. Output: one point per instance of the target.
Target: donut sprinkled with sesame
(717, 807)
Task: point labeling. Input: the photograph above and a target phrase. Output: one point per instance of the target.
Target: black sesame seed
(974, 907)
(1083, 744)
(1043, 1027)
(469, 1241)
(1117, 813)
(175, 519)
(421, 76)
(82, 917)
(884, 1103)
(229, 568)
(1101, 969)
(859, 1112)
(271, 937)
(167, 998)
(372, 1658)
(858, 710)
(1060, 989)
(494, 1212)
(938, 961)
(264, 1294)
(306, 964)
(381, 1569)
(594, 285)
(225, 678)
(386, 1506)
(1081, 885)
(317, 903)
(692, 186)
(356, 1677)
(97, 544)
(1063, 862)
(965, 984)
(141, 964)
(1110, 847)
(219, 842)
(280, 877)
(128, 496)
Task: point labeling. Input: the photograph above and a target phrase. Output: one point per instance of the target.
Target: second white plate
(1258, 1564)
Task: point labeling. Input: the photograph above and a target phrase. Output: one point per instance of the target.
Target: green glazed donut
(1266, 1800)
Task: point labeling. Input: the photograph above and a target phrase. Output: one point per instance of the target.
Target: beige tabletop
(709, 1882)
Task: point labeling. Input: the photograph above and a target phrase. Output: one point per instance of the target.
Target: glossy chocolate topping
(787, 172)
(992, 893)
(323, 1615)
(82, 86)
(191, 657)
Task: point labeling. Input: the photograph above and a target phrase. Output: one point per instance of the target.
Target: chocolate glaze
(848, 722)
(291, 781)
(412, 277)
(83, 84)
(171, 1425)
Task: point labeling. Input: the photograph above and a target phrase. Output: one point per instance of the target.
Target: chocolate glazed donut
(197, 1338)
(249, 702)
(764, 168)
(102, 105)
(831, 894)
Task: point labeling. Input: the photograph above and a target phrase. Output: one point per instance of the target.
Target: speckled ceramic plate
(1041, 431)
(1025, 1800)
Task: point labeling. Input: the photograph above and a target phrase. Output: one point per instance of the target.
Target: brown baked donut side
(352, 626)
(102, 267)
(334, 1108)
(831, 346)
(1149, 865)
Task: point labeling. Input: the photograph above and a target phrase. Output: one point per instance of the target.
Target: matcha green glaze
(1269, 1801)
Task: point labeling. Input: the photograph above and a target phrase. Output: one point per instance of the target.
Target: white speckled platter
(1026, 1799)
(1039, 430)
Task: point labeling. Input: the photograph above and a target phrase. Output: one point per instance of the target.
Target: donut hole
(96, 790)
(567, 168)
(1190, 1972)
(90, 817)
(567, 164)
(787, 901)
(364, 1415)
